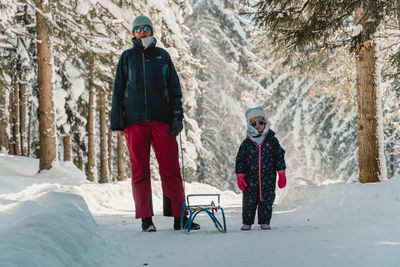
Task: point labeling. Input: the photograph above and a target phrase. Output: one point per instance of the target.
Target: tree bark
(110, 153)
(67, 148)
(368, 145)
(22, 116)
(120, 158)
(11, 110)
(29, 138)
(13, 145)
(3, 120)
(90, 126)
(48, 152)
(16, 117)
(103, 138)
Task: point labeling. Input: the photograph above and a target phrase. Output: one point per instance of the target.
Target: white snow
(58, 218)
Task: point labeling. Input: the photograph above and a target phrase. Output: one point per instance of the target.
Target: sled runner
(194, 209)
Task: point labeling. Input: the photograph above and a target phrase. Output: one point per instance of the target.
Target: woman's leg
(138, 140)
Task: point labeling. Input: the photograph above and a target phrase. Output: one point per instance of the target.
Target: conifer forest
(326, 72)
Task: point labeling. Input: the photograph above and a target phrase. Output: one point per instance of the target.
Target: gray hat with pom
(141, 20)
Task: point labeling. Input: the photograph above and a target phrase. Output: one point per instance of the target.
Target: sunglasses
(145, 28)
(261, 123)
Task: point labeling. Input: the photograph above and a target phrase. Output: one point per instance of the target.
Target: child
(259, 158)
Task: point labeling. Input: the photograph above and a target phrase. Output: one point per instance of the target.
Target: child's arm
(240, 168)
(279, 155)
(240, 163)
(280, 164)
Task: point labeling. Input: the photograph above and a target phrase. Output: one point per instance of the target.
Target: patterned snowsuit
(259, 164)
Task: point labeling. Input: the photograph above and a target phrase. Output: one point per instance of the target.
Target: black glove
(176, 127)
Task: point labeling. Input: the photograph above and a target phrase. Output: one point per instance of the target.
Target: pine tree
(46, 105)
(312, 26)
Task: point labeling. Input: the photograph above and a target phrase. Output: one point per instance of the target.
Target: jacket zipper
(259, 171)
(259, 164)
(145, 89)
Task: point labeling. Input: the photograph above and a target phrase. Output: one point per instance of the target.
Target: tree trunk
(103, 138)
(90, 126)
(120, 158)
(110, 153)
(48, 152)
(15, 117)
(13, 145)
(11, 109)
(22, 116)
(67, 148)
(368, 145)
(29, 138)
(3, 120)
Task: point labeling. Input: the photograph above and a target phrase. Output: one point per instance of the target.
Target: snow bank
(55, 229)
(340, 201)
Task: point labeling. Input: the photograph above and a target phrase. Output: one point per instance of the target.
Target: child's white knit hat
(255, 112)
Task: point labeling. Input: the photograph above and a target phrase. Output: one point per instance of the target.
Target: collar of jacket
(137, 44)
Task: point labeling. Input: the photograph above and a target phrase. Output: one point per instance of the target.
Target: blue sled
(211, 210)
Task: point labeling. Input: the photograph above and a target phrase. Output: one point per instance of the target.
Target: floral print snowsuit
(259, 164)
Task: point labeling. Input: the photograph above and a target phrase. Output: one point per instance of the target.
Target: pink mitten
(282, 179)
(241, 181)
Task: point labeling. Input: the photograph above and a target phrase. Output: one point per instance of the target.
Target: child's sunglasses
(145, 28)
(261, 123)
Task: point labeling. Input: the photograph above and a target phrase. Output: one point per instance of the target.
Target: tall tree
(103, 137)
(90, 168)
(309, 26)
(46, 103)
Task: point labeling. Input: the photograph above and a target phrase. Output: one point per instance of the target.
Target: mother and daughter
(147, 110)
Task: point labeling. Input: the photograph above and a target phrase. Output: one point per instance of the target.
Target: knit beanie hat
(256, 112)
(141, 20)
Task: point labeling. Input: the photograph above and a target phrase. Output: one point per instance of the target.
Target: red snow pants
(139, 138)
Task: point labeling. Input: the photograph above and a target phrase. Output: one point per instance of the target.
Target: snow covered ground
(57, 218)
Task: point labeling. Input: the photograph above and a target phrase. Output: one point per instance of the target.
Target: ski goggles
(254, 124)
(145, 28)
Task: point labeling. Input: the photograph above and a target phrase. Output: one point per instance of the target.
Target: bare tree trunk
(368, 151)
(13, 147)
(67, 148)
(48, 152)
(3, 120)
(28, 143)
(90, 126)
(22, 116)
(11, 140)
(120, 158)
(103, 138)
(15, 117)
(110, 154)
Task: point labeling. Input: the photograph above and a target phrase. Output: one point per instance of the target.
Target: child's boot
(245, 227)
(265, 226)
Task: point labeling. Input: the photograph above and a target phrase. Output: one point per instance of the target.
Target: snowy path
(58, 218)
(295, 240)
